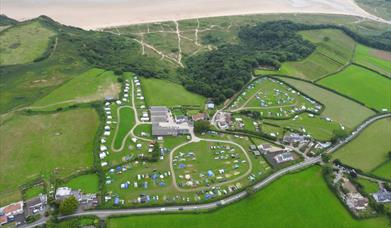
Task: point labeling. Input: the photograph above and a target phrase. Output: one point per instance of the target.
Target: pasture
(368, 186)
(310, 199)
(377, 60)
(363, 85)
(24, 43)
(33, 191)
(88, 183)
(384, 170)
(92, 85)
(162, 92)
(370, 148)
(338, 108)
(333, 50)
(40, 145)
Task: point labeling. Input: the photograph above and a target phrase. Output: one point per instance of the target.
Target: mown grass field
(33, 191)
(334, 49)
(363, 85)
(383, 170)
(338, 108)
(92, 85)
(308, 204)
(87, 183)
(126, 122)
(24, 43)
(161, 92)
(370, 149)
(36, 145)
(375, 59)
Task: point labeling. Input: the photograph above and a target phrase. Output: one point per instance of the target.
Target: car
(180, 209)
(163, 209)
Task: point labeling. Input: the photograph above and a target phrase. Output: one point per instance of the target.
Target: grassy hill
(333, 50)
(370, 149)
(308, 204)
(94, 84)
(380, 8)
(363, 85)
(24, 43)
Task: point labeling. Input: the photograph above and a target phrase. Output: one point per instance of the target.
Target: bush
(201, 126)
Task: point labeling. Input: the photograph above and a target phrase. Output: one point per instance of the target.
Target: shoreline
(97, 14)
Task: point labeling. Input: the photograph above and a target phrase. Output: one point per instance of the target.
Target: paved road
(228, 200)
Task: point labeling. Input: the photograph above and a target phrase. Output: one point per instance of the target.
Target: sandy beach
(93, 14)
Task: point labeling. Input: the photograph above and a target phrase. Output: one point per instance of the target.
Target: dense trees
(68, 205)
(201, 126)
(220, 73)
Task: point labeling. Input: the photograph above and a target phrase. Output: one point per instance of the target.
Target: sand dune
(92, 14)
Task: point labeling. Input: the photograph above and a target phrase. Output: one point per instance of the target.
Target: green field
(338, 108)
(36, 145)
(24, 43)
(86, 183)
(369, 186)
(370, 149)
(33, 191)
(377, 60)
(383, 170)
(161, 92)
(363, 85)
(334, 49)
(92, 85)
(308, 204)
(126, 122)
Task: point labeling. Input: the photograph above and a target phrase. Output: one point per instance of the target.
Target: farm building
(163, 123)
(284, 157)
(293, 138)
(36, 204)
(382, 196)
(199, 116)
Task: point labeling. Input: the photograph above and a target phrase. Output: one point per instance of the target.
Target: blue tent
(210, 173)
(116, 200)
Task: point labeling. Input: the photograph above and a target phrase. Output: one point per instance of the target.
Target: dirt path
(178, 32)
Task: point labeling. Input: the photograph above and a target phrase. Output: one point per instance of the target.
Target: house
(256, 152)
(382, 196)
(12, 209)
(181, 119)
(36, 204)
(3, 220)
(199, 116)
(63, 193)
(293, 138)
(210, 105)
(269, 148)
(284, 157)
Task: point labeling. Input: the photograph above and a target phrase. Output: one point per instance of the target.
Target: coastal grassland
(380, 8)
(338, 108)
(94, 84)
(162, 92)
(334, 49)
(310, 198)
(165, 42)
(24, 43)
(317, 127)
(384, 170)
(40, 145)
(363, 85)
(377, 60)
(88, 183)
(126, 120)
(370, 149)
(22, 85)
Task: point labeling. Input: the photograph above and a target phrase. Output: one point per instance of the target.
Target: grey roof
(158, 119)
(158, 108)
